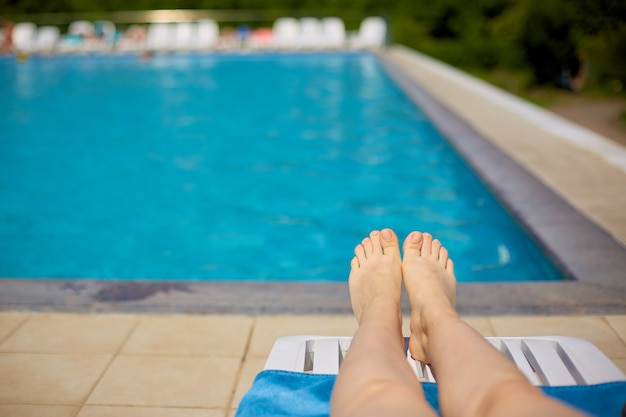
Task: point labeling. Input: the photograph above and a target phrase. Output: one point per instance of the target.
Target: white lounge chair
(311, 33)
(24, 37)
(372, 33)
(207, 34)
(47, 39)
(160, 36)
(545, 360)
(334, 32)
(184, 35)
(286, 32)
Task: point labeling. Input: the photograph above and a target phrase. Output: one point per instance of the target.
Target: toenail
(386, 234)
(415, 237)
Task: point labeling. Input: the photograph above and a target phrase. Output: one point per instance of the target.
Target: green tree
(549, 41)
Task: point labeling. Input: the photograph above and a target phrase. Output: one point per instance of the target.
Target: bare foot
(376, 276)
(431, 287)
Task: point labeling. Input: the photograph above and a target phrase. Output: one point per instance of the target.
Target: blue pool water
(262, 167)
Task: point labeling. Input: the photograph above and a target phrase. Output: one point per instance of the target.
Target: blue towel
(293, 394)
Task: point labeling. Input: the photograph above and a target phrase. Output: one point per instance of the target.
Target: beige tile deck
(190, 335)
(31, 410)
(70, 333)
(145, 373)
(108, 411)
(59, 379)
(9, 323)
(163, 381)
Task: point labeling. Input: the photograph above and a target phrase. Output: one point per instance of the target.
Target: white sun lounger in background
(207, 34)
(311, 33)
(160, 36)
(334, 31)
(372, 33)
(286, 32)
(47, 39)
(545, 360)
(184, 35)
(24, 34)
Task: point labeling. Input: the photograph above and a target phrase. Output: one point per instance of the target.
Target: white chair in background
(160, 36)
(47, 39)
(24, 34)
(184, 35)
(286, 32)
(207, 34)
(334, 32)
(372, 33)
(311, 33)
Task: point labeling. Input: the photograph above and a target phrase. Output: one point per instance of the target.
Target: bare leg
(474, 378)
(375, 378)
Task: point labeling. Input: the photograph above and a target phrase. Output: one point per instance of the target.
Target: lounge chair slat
(587, 363)
(326, 356)
(548, 365)
(512, 350)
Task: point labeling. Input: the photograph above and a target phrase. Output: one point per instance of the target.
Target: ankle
(381, 311)
(442, 318)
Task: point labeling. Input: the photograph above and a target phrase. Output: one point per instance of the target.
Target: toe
(354, 263)
(435, 248)
(443, 257)
(367, 246)
(389, 242)
(359, 251)
(427, 243)
(413, 243)
(375, 239)
(450, 265)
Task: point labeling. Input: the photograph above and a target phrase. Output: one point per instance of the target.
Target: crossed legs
(474, 379)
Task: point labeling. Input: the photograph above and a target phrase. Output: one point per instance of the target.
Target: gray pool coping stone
(593, 262)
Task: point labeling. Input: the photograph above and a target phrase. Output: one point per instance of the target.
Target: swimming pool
(261, 167)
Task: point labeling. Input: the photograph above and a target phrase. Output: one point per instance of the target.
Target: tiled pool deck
(67, 365)
(58, 358)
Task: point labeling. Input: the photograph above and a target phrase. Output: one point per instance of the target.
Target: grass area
(622, 118)
(521, 84)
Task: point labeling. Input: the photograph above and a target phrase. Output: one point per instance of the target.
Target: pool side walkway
(82, 365)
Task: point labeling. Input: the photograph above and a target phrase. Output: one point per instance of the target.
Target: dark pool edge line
(300, 298)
